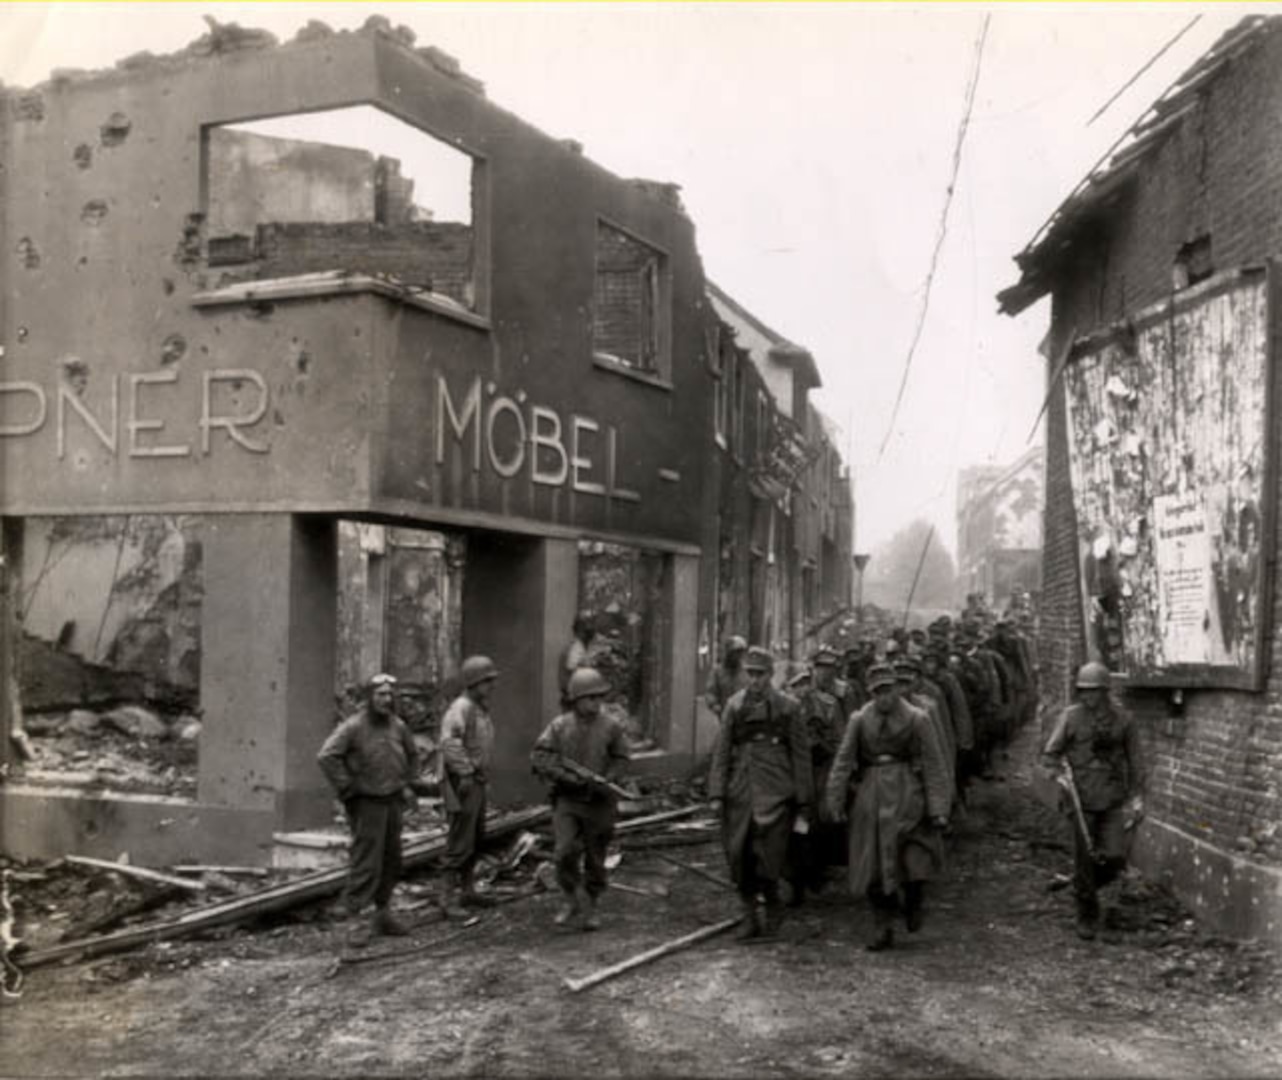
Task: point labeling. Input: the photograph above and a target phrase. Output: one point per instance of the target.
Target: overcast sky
(813, 145)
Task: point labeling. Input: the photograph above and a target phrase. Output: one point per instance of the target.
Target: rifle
(1069, 783)
(582, 772)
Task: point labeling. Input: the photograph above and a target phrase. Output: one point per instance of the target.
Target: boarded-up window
(1171, 462)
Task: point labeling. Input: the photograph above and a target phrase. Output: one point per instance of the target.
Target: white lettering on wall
(102, 420)
(42, 408)
(136, 424)
(509, 439)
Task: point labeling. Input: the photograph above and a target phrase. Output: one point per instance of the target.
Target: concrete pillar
(10, 640)
(268, 653)
(520, 595)
(681, 601)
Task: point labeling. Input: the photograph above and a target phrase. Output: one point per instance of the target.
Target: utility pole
(860, 562)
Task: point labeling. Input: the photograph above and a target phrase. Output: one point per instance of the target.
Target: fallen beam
(137, 872)
(654, 819)
(666, 949)
(716, 879)
(264, 902)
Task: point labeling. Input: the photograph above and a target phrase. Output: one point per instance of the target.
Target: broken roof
(780, 349)
(1110, 177)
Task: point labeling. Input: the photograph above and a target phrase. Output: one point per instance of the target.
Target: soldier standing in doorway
(370, 760)
(467, 745)
(728, 678)
(761, 785)
(1095, 751)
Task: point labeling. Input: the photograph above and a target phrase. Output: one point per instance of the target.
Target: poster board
(1171, 455)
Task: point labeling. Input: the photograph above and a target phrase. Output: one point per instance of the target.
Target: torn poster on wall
(1171, 466)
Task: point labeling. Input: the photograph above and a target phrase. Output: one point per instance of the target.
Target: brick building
(1162, 464)
(329, 322)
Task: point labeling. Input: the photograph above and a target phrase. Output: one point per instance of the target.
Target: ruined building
(1162, 465)
(317, 362)
(999, 529)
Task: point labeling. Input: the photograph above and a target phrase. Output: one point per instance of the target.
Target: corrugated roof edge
(1161, 119)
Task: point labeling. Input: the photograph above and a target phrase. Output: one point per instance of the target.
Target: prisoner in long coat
(761, 776)
(901, 787)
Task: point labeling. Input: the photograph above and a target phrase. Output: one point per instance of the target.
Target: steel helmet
(1092, 676)
(735, 644)
(586, 682)
(478, 669)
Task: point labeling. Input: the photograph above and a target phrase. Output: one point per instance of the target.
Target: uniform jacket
(367, 756)
(761, 763)
(467, 745)
(598, 744)
(1104, 750)
(900, 782)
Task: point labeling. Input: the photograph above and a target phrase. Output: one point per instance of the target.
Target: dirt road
(996, 984)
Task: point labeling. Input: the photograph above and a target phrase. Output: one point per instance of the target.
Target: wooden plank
(666, 949)
(654, 819)
(137, 872)
(202, 868)
(274, 898)
(716, 879)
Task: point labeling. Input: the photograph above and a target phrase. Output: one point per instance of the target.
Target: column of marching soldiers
(864, 759)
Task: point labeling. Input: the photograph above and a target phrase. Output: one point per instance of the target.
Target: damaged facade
(999, 529)
(315, 363)
(1162, 479)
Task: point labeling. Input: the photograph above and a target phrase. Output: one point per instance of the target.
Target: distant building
(999, 529)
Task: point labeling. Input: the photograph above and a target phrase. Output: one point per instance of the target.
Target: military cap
(825, 655)
(907, 669)
(758, 659)
(881, 675)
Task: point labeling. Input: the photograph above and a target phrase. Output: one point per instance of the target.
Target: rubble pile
(125, 749)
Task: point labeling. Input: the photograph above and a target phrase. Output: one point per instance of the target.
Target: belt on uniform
(887, 759)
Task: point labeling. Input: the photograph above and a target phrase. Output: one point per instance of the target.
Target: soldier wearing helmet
(580, 754)
(1100, 742)
(467, 745)
(761, 785)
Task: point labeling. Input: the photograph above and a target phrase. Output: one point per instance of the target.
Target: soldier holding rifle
(580, 754)
(1095, 750)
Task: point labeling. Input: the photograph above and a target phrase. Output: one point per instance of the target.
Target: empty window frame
(355, 190)
(631, 310)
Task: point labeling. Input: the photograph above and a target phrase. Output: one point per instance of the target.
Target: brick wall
(1216, 771)
(425, 254)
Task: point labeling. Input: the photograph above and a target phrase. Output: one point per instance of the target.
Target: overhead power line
(941, 233)
(1132, 80)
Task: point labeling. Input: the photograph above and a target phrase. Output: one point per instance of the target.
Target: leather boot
(358, 933)
(387, 924)
(773, 915)
(591, 920)
(912, 906)
(883, 935)
(448, 901)
(570, 910)
(749, 928)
